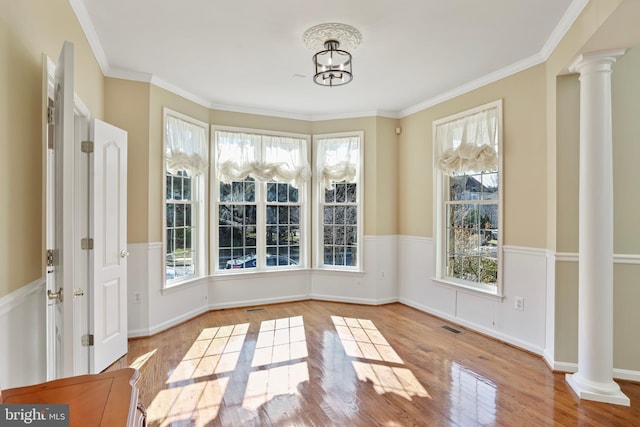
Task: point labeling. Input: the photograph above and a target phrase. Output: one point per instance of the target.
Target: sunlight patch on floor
(279, 342)
(362, 340)
(215, 351)
(140, 361)
(190, 405)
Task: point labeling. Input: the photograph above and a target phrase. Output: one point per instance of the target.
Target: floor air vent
(248, 310)
(450, 329)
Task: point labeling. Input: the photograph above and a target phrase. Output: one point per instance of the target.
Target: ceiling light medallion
(333, 65)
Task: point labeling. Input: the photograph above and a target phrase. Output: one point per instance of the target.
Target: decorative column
(594, 378)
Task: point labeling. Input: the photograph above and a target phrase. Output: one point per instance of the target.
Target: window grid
(282, 224)
(180, 229)
(340, 225)
(237, 225)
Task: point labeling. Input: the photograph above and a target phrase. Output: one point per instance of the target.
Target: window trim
(199, 187)
(439, 191)
(317, 237)
(304, 195)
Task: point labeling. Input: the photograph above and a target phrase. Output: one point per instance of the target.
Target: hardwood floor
(316, 363)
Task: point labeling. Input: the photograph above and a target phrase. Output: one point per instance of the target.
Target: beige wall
(28, 29)
(524, 146)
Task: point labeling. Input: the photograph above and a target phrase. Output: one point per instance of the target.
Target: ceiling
(248, 55)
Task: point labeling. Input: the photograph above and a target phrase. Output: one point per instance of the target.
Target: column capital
(602, 60)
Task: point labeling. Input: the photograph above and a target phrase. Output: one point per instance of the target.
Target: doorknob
(124, 254)
(55, 295)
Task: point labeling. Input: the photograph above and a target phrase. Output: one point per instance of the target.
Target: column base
(599, 392)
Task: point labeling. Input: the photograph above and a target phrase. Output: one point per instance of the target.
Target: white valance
(185, 146)
(263, 157)
(338, 159)
(468, 144)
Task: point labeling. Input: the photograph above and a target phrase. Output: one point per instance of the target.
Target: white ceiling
(248, 55)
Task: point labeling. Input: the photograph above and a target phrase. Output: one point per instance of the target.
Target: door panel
(59, 218)
(108, 299)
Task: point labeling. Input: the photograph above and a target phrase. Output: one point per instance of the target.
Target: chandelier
(333, 64)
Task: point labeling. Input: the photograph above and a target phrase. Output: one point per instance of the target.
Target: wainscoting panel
(524, 276)
(23, 336)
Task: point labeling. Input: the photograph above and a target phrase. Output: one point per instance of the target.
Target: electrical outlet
(137, 297)
(519, 303)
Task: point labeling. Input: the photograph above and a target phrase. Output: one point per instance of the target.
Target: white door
(60, 218)
(108, 225)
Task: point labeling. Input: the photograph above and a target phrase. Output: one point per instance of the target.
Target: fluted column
(594, 378)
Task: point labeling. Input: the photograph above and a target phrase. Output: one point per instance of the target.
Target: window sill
(468, 289)
(182, 284)
(239, 274)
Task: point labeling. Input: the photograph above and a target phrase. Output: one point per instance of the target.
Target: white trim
(571, 14)
(364, 301)
(617, 258)
(17, 297)
(524, 250)
(92, 36)
(261, 301)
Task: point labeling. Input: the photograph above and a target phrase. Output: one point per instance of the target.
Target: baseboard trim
(15, 298)
(618, 374)
(253, 303)
(349, 300)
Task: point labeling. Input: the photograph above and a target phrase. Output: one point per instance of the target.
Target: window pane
(283, 193)
(293, 194)
(294, 215)
(237, 191)
(187, 216)
(330, 195)
(351, 215)
(328, 215)
(341, 192)
(340, 215)
(283, 215)
(352, 195)
(225, 192)
(179, 215)
(249, 191)
(169, 188)
(177, 188)
(170, 214)
(490, 186)
(186, 188)
(271, 191)
(224, 237)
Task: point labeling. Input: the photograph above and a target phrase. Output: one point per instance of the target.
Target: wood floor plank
(315, 363)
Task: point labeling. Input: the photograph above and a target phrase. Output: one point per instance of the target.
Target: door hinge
(87, 340)
(50, 112)
(49, 257)
(86, 243)
(86, 146)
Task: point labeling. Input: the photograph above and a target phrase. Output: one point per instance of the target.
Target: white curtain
(185, 146)
(263, 157)
(468, 144)
(338, 159)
